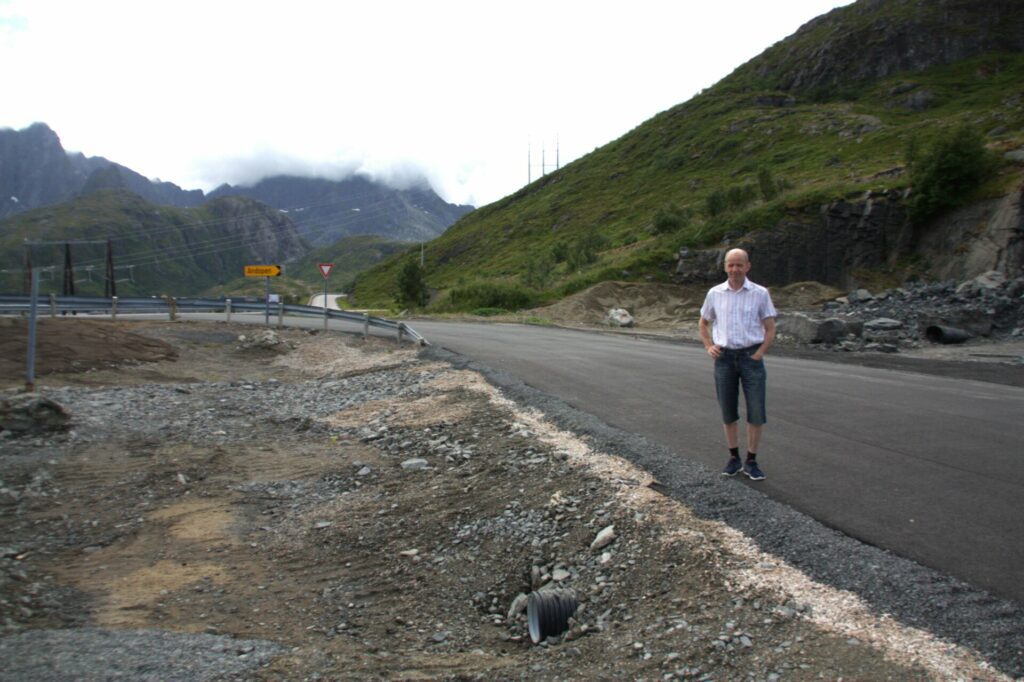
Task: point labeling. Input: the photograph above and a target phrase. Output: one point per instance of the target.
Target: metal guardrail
(53, 305)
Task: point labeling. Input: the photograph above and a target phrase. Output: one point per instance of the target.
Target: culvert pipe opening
(548, 613)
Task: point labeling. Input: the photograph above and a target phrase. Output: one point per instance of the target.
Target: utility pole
(110, 285)
(69, 272)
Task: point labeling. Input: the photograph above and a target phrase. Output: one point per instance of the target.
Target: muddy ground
(309, 533)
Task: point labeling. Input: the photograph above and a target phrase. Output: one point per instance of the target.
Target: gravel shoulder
(313, 506)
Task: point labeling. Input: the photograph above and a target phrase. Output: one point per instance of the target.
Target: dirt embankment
(329, 509)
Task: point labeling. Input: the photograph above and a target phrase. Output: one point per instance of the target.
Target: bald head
(737, 253)
(737, 265)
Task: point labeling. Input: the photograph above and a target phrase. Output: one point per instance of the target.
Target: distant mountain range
(327, 210)
(36, 171)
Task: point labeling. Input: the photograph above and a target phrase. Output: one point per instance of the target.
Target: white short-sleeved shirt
(737, 316)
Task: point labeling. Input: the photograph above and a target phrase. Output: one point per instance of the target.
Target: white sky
(201, 92)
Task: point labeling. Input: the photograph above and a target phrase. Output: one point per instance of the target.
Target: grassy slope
(719, 139)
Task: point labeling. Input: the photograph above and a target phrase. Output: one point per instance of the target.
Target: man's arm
(769, 338)
(705, 335)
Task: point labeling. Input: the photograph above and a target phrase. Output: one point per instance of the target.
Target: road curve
(925, 466)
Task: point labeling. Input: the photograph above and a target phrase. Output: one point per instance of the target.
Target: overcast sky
(204, 92)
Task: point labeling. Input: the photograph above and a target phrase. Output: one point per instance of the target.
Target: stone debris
(895, 320)
(32, 413)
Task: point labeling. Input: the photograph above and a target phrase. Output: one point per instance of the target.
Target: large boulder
(806, 329)
(619, 317)
(32, 413)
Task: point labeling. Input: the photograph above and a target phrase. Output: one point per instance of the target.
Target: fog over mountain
(326, 201)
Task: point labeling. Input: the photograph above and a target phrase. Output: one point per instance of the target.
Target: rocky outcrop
(826, 246)
(875, 39)
(833, 244)
(985, 236)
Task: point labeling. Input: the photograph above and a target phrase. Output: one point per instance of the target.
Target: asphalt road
(928, 467)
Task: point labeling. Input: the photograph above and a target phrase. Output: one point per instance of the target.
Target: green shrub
(499, 295)
(670, 218)
(947, 173)
(767, 184)
(584, 250)
(540, 269)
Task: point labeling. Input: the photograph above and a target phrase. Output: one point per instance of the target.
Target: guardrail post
(113, 307)
(401, 330)
(280, 314)
(172, 307)
(366, 325)
(227, 310)
(53, 305)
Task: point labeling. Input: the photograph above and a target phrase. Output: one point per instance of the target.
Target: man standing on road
(737, 325)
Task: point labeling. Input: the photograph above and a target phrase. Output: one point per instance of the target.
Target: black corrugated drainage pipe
(548, 613)
(938, 333)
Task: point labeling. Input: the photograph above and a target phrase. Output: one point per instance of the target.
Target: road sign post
(266, 271)
(325, 271)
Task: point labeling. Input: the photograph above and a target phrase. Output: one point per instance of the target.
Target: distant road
(317, 301)
(928, 467)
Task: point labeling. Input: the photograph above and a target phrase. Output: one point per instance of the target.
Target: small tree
(947, 173)
(412, 287)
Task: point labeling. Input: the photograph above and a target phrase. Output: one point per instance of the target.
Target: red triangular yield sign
(325, 269)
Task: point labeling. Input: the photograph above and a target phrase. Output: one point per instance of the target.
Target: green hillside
(156, 249)
(736, 158)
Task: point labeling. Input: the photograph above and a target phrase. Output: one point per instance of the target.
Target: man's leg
(732, 434)
(753, 377)
(753, 436)
(727, 389)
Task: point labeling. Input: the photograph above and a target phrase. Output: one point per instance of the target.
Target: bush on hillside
(584, 251)
(732, 198)
(540, 268)
(670, 218)
(947, 173)
(479, 295)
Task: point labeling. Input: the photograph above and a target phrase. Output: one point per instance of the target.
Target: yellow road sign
(262, 270)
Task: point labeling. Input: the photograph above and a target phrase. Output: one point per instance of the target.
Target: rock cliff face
(874, 39)
(35, 170)
(845, 237)
(266, 234)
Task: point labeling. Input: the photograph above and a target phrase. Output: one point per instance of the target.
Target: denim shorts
(734, 368)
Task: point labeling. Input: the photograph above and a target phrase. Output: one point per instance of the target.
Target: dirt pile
(270, 501)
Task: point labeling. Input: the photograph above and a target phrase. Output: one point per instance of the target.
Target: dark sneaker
(733, 467)
(753, 471)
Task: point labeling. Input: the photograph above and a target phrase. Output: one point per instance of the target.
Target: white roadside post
(325, 271)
